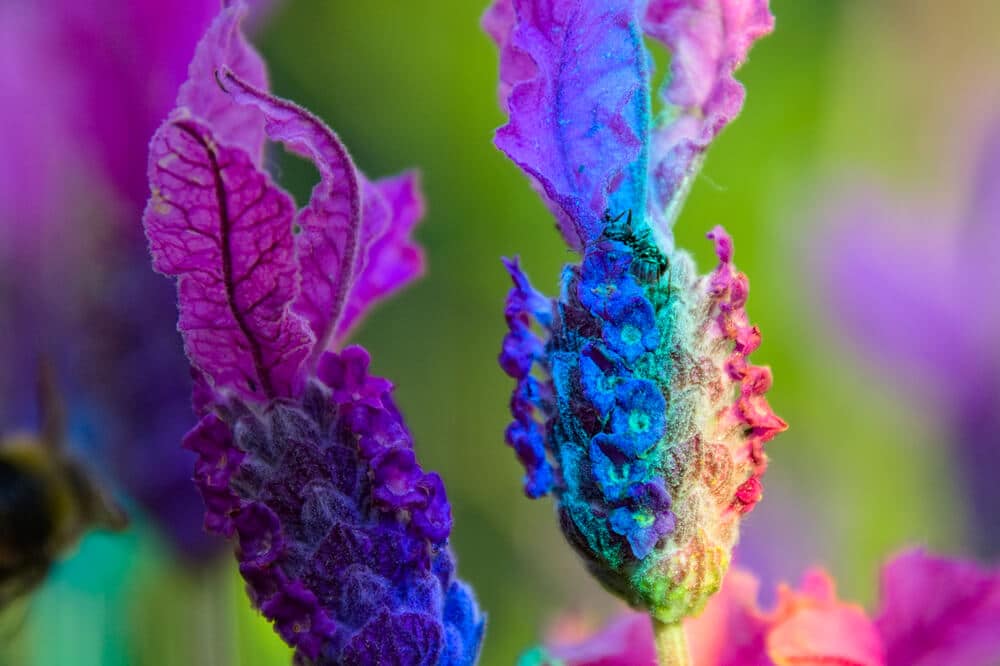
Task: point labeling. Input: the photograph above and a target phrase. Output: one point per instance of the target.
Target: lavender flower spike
(635, 403)
(303, 456)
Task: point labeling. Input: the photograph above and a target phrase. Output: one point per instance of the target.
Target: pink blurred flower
(933, 611)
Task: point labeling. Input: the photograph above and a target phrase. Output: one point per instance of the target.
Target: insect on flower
(650, 264)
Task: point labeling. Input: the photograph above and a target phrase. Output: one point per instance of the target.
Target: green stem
(671, 644)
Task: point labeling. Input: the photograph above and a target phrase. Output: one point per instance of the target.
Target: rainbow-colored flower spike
(635, 402)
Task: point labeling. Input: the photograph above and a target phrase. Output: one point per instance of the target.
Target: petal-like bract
(708, 40)
(390, 258)
(579, 115)
(220, 226)
(329, 227)
(202, 95)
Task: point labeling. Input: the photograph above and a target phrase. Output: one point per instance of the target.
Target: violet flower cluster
(303, 457)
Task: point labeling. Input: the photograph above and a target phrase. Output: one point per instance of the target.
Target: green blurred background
(893, 88)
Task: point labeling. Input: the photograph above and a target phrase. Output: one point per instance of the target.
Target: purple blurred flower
(91, 81)
(917, 296)
(303, 457)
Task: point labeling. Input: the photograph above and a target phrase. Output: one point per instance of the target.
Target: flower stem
(671, 644)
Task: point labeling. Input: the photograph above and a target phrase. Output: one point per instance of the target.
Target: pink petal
(708, 40)
(391, 259)
(812, 628)
(937, 611)
(203, 96)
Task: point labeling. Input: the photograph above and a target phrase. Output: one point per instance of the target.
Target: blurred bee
(47, 499)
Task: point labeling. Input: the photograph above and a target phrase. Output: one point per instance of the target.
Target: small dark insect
(650, 264)
(47, 499)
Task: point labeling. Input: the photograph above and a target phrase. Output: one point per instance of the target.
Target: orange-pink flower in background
(933, 611)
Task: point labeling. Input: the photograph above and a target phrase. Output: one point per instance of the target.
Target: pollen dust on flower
(631, 335)
(638, 421)
(160, 203)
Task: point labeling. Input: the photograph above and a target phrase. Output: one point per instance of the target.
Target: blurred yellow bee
(47, 499)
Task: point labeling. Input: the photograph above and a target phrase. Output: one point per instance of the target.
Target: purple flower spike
(328, 538)
(303, 457)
